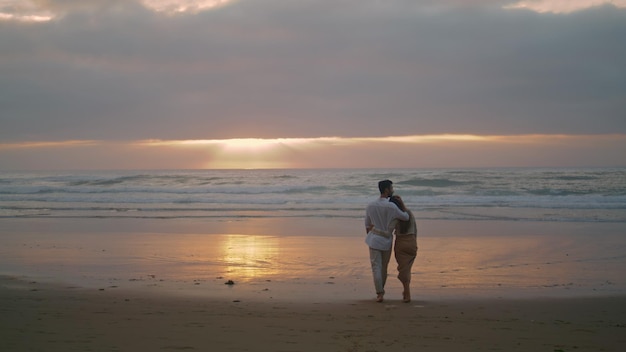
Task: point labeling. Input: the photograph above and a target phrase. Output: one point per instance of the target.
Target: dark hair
(383, 185)
(402, 226)
(395, 201)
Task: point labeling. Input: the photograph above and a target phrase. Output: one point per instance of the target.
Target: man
(378, 216)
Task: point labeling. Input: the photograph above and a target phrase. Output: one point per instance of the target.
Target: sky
(169, 84)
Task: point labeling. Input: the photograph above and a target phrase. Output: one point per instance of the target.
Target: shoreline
(308, 260)
(46, 317)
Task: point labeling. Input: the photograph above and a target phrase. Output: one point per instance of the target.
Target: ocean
(519, 194)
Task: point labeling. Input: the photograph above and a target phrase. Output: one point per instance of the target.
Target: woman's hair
(394, 200)
(402, 226)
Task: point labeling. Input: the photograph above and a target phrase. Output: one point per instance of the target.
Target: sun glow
(257, 144)
(238, 153)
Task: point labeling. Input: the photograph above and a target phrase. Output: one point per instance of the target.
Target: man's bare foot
(379, 298)
(406, 297)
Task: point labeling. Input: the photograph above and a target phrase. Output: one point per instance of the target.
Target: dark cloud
(311, 68)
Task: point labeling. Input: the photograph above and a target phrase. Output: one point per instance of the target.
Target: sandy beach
(115, 285)
(41, 317)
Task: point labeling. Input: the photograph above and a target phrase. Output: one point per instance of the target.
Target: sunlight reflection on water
(455, 259)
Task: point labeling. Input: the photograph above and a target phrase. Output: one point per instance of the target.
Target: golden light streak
(438, 150)
(258, 153)
(251, 144)
(256, 144)
(53, 144)
(25, 18)
(428, 138)
(234, 143)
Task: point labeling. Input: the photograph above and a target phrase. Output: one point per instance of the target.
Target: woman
(405, 248)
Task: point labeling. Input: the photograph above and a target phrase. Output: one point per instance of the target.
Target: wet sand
(316, 259)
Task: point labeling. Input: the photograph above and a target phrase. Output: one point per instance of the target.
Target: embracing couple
(385, 217)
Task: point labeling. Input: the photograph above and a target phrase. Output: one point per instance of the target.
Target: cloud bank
(126, 70)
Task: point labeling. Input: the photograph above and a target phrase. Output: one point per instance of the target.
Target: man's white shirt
(381, 213)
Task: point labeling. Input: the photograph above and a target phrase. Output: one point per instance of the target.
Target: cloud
(184, 6)
(121, 70)
(48, 10)
(563, 7)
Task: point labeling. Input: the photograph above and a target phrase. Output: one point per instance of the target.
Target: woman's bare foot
(406, 296)
(379, 298)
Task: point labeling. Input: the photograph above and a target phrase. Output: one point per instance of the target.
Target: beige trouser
(405, 251)
(379, 260)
